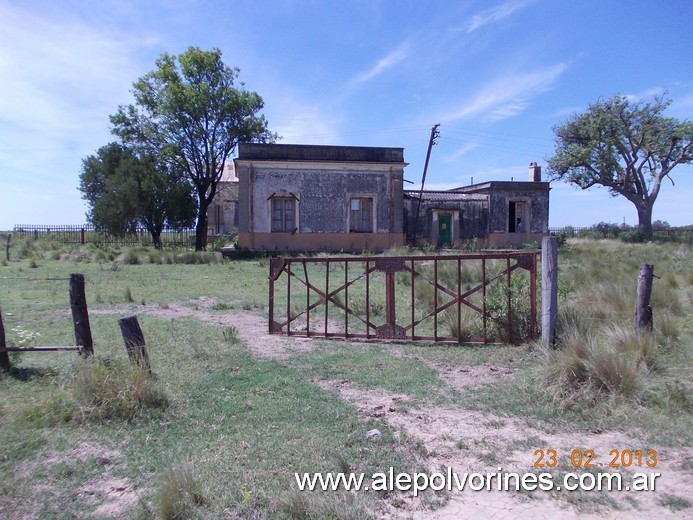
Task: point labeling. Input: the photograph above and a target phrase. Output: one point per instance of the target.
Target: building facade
(222, 214)
(496, 213)
(319, 198)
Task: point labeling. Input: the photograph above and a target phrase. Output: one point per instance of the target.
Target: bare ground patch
(112, 496)
(252, 327)
(107, 496)
(463, 376)
(474, 442)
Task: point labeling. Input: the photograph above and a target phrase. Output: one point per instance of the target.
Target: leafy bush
(634, 236)
(497, 306)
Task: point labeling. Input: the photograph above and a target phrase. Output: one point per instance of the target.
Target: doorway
(444, 230)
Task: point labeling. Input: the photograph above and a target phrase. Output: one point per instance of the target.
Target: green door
(444, 231)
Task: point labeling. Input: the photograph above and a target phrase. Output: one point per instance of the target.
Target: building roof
(443, 196)
(319, 153)
(486, 187)
(229, 173)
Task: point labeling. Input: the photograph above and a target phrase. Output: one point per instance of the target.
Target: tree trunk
(156, 239)
(645, 219)
(201, 227)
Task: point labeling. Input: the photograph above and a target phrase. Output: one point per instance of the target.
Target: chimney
(534, 172)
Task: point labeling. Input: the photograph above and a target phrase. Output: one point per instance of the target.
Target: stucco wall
(322, 192)
(322, 197)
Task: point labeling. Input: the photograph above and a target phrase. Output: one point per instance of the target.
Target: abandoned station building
(347, 198)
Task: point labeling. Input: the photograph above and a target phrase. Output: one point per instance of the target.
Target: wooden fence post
(134, 341)
(643, 309)
(7, 247)
(549, 289)
(80, 315)
(4, 356)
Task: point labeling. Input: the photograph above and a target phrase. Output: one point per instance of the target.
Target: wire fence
(89, 234)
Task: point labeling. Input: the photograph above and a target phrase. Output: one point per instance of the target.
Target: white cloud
(305, 125)
(389, 61)
(460, 152)
(57, 73)
(646, 94)
(508, 95)
(494, 14)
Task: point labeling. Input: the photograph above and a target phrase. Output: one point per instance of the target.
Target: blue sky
(497, 76)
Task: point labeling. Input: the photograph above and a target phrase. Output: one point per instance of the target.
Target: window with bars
(283, 214)
(361, 215)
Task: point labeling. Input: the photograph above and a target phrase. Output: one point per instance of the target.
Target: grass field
(232, 413)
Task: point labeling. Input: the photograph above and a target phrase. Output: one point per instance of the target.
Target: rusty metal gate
(472, 298)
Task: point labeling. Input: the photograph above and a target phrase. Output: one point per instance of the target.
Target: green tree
(189, 112)
(627, 146)
(125, 189)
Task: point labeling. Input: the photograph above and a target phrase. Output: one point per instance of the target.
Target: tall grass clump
(304, 505)
(180, 494)
(471, 325)
(614, 360)
(131, 257)
(118, 390)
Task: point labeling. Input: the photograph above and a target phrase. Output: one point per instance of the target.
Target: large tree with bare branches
(627, 146)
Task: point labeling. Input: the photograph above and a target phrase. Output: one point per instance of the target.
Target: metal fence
(89, 234)
(683, 234)
(474, 298)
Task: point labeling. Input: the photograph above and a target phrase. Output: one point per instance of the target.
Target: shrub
(562, 238)
(497, 306)
(634, 236)
(131, 257)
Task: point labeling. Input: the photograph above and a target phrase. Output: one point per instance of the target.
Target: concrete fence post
(643, 309)
(549, 289)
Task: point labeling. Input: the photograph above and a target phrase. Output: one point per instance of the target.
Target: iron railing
(470, 298)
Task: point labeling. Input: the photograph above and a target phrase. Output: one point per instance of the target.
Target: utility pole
(434, 135)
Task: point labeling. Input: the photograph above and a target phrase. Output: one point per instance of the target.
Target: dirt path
(473, 442)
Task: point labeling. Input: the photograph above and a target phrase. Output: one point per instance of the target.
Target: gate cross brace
(325, 297)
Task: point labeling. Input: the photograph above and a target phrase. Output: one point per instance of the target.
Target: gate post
(4, 356)
(643, 309)
(80, 315)
(133, 337)
(549, 289)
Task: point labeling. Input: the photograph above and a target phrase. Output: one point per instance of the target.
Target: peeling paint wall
(482, 211)
(322, 181)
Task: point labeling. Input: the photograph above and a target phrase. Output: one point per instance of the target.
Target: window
(516, 220)
(361, 215)
(283, 211)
